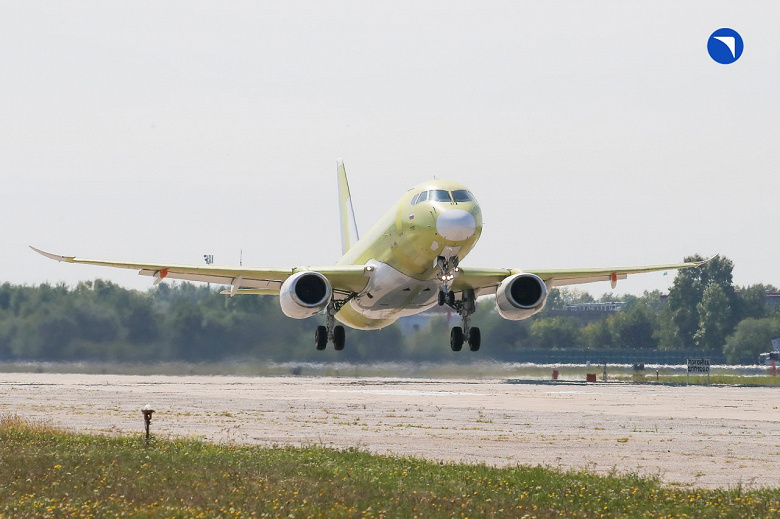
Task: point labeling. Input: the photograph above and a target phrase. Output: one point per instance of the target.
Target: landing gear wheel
(441, 298)
(475, 339)
(320, 338)
(339, 338)
(456, 338)
(450, 298)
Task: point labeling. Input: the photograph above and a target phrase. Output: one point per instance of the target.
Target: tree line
(102, 321)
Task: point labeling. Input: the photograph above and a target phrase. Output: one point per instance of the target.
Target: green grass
(48, 472)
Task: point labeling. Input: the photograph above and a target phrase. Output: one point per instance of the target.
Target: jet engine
(304, 294)
(520, 296)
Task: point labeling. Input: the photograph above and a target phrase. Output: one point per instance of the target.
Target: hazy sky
(592, 133)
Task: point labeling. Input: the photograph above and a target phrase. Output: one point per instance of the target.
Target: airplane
(409, 261)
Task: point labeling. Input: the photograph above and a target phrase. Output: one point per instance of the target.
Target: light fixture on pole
(209, 259)
(147, 412)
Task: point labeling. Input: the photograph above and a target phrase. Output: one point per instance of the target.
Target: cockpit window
(439, 195)
(461, 195)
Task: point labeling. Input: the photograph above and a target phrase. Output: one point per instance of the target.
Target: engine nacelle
(304, 294)
(520, 296)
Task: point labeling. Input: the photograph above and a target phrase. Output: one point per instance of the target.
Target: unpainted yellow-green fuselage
(406, 239)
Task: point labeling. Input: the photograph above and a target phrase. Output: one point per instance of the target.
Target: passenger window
(439, 195)
(461, 195)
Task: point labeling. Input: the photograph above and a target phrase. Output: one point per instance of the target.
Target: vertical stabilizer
(349, 232)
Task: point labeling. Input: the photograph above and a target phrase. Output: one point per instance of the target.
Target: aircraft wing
(486, 281)
(242, 280)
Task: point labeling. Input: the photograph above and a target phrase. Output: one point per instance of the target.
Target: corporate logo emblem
(725, 46)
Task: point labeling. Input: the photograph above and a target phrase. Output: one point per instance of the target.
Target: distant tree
(21, 297)
(555, 300)
(141, 321)
(556, 333)
(186, 326)
(96, 323)
(716, 317)
(7, 332)
(634, 327)
(609, 297)
(6, 292)
(752, 301)
(558, 298)
(54, 333)
(598, 335)
(751, 337)
(686, 297)
(666, 334)
(509, 336)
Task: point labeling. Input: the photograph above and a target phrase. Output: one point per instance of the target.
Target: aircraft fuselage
(402, 249)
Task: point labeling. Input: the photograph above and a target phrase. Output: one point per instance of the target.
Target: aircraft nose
(456, 224)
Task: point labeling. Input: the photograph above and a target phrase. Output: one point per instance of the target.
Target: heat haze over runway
(705, 436)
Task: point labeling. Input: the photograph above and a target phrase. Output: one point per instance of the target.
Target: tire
(320, 338)
(441, 298)
(339, 338)
(451, 298)
(456, 338)
(475, 339)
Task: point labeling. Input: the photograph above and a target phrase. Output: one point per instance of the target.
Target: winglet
(349, 232)
(55, 257)
(705, 261)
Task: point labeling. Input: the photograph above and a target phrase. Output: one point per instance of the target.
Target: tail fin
(349, 232)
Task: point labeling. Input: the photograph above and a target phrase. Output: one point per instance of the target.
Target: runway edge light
(147, 412)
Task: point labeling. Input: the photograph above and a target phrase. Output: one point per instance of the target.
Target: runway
(702, 436)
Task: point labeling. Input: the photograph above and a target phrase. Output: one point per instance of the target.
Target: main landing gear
(460, 334)
(465, 307)
(330, 332)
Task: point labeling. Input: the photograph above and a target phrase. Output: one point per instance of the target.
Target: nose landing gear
(446, 275)
(467, 305)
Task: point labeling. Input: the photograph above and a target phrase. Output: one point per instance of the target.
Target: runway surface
(702, 436)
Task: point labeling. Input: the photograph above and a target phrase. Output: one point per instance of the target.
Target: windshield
(461, 195)
(439, 195)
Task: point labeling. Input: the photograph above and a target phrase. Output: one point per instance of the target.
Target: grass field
(49, 472)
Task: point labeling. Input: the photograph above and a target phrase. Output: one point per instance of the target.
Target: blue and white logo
(725, 46)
